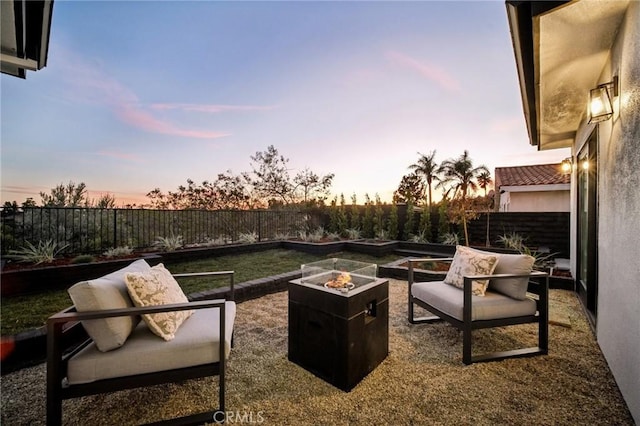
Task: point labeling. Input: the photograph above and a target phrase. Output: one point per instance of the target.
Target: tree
(105, 201)
(309, 187)
(425, 223)
(409, 223)
(71, 195)
(460, 174)
(354, 213)
(378, 221)
(367, 219)
(29, 202)
(228, 191)
(411, 189)
(270, 176)
(427, 169)
(342, 216)
(392, 222)
(484, 180)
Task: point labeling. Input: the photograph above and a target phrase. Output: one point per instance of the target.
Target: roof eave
(26, 46)
(521, 17)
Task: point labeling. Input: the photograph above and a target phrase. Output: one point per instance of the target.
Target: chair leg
(466, 346)
(54, 409)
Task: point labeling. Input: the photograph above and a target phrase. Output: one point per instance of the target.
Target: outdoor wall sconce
(585, 164)
(566, 165)
(601, 101)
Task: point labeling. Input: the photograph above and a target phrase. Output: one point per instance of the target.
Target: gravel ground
(421, 382)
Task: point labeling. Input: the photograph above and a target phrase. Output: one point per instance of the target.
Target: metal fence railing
(92, 230)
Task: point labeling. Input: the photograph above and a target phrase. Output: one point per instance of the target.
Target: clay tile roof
(541, 174)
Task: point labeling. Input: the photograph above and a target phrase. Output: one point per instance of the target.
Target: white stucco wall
(538, 201)
(618, 309)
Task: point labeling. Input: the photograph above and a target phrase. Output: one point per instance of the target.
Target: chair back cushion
(107, 292)
(512, 264)
(468, 262)
(158, 287)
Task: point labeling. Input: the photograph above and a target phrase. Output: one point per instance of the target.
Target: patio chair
(515, 294)
(119, 351)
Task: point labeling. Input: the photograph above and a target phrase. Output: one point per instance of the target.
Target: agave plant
(420, 237)
(316, 235)
(451, 239)
(516, 241)
(170, 243)
(353, 234)
(118, 251)
(248, 237)
(44, 252)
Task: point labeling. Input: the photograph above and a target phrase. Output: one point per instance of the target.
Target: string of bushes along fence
(91, 230)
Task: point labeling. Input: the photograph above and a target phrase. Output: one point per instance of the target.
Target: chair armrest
(532, 274)
(429, 259)
(230, 274)
(543, 294)
(411, 261)
(64, 316)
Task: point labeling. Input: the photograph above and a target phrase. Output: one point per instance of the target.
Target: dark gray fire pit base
(339, 337)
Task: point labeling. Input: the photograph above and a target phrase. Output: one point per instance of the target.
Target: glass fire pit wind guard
(340, 275)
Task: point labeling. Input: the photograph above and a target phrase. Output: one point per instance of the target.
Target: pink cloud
(92, 85)
(212, 108)
(429, 71)
(136, 117)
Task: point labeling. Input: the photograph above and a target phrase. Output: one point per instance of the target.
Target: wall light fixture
(601, 101)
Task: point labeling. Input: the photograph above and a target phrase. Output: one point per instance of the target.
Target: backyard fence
(92, 230)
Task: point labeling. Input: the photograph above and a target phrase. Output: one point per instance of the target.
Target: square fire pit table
(339, 334)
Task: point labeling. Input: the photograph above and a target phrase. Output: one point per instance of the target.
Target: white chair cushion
(196, 343)
(158, 287)
(449, 300)
(107, 292)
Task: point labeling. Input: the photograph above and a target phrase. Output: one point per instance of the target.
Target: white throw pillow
(515, 288)
(158, 287)
(107, 292)
(469, 262)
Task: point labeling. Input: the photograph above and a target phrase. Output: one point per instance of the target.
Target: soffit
(571, 48)
(24, 33)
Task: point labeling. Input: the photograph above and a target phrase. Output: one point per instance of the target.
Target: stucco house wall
(618, 302)
(535, 201)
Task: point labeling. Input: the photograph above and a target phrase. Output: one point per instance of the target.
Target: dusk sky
(144, 95)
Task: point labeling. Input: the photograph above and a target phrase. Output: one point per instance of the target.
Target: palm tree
(484, 180)
(428, 169)
(461, 174)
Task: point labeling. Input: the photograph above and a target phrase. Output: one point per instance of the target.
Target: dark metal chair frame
(538, 285)
(62, 344)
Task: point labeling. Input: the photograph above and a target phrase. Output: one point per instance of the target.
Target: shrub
(333, 236)
(316, 235)
(170, 243)
(248, 237)
(118, 251)
(450, 238)
(516, 241)
(83, 258)
(353, 234)
(44, 252)
(420, 237)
